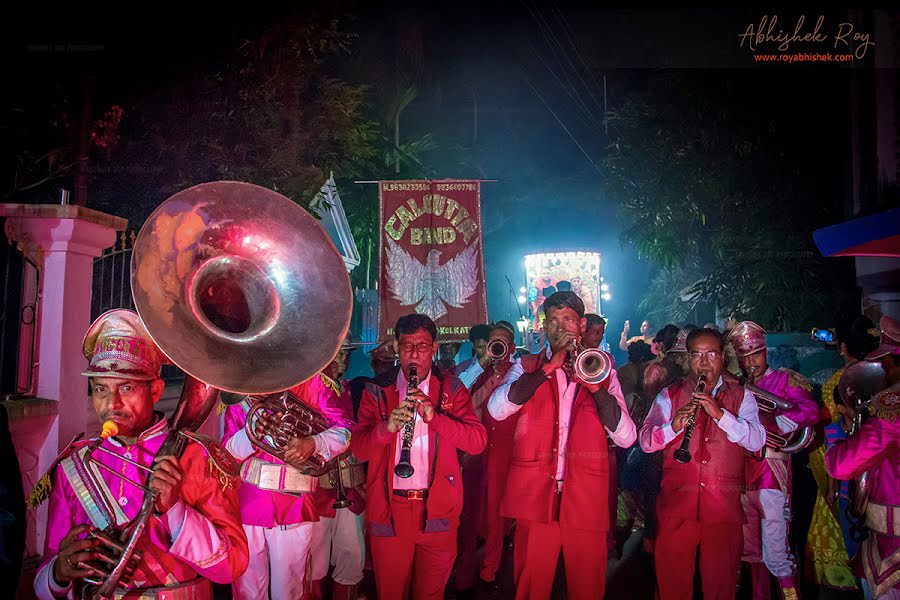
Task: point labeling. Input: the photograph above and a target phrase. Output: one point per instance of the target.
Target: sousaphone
(244, 291)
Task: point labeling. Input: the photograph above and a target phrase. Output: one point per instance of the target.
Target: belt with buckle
(196, 589)
(412, 494)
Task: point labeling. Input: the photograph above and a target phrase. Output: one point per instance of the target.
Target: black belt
(412, 494)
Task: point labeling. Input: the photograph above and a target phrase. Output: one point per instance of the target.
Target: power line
(561, 124)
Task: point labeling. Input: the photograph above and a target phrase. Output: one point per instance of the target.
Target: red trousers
(536, 554)
(676, 546)
(494, 525)
(469, 522)
(412, 564)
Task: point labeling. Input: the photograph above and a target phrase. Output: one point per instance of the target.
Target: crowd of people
(435, 468)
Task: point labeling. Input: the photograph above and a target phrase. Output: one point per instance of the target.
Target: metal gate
(18, 319)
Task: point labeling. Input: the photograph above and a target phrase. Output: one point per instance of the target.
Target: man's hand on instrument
(561, 348)
(299, 450)
(679, 420)
(268, 421)
(426, 410)
(74, 554)
(110, 549)
(708, 403)
(399, 416)
(166, 480)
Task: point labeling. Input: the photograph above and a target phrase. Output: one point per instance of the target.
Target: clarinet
(404, 466)
(683, 455)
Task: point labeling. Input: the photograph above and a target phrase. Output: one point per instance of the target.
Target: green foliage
(722, 201)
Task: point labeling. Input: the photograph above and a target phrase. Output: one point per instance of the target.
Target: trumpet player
(557, 486)
(875, 448)
(469, 369)
(484, 475)
(699, 502)
(767, 501)
(413, 517)
(277, 507)
(195, 536)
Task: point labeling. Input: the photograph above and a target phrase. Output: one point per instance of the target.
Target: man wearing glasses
(699, 502)
(413, 521)
(767, 501)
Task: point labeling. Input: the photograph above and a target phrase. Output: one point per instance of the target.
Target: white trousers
(340, 542)
(278, 558)
(766, 532)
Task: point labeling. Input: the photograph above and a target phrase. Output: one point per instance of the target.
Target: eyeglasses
(422, 348)
(126, 390)
(711, 355)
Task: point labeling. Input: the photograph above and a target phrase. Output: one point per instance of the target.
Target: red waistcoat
(531, 484)
(708, 488)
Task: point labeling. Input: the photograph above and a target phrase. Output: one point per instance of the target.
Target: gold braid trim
(225, 480)
(41, 491)
(885, 404)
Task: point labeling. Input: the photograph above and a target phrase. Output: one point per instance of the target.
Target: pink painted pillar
(63, 241)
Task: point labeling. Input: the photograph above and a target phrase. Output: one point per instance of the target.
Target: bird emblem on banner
(432, 286)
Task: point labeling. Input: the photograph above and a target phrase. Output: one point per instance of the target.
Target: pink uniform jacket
(265, 508)
(791, 386)
(201, 535)
(876, 448)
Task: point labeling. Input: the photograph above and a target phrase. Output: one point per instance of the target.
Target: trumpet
(682, 454)
(404, 466)
(590, 365)
(497, 349)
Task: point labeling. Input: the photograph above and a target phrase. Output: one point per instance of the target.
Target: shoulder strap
(91, 490)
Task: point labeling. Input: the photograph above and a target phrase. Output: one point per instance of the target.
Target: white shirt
(418, 451)
(470, 372)
(501, 408)
(744, 429)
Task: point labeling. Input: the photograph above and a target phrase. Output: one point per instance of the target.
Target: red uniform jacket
(708, 488)
(454, 427)
(531, 484)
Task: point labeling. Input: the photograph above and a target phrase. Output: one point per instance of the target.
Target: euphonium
(404, 466)
(857, 386)
(769, 403)
(682, 454)
(226, 277)
(590, 365)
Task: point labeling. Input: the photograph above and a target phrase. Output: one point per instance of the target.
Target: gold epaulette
(44, 486)
(797, 380)
(886, 404)
(330, 383)
(222, 465)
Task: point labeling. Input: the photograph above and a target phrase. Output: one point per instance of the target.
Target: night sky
(499, 55)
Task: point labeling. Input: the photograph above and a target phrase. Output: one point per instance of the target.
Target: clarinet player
(413, 512)
(699, 503)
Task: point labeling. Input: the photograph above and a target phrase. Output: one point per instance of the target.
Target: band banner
(431, 258)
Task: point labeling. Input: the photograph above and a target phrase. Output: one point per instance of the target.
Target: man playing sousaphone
(767, 499)
(277, 508)
(876, 448)
(194, 535)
